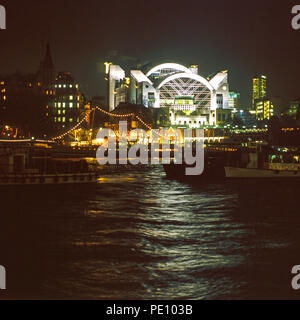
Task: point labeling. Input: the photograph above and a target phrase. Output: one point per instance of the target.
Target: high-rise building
(259, 88)
(66, 106)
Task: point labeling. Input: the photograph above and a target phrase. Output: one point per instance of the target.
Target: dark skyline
(245, 38)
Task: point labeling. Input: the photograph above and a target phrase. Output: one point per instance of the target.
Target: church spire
(48, 62)
(47, 71)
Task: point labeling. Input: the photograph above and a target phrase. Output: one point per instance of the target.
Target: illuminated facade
(66, 102)
(171, 85)
(294, 109)
(233, 100)
(259, 88)
(41, 102)
(265, 108)
(24, 98)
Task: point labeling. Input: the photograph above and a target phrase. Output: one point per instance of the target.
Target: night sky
(245, 37)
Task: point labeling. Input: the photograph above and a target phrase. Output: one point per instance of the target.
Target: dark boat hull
(213, 170)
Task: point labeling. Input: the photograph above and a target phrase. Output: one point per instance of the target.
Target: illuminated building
(190, 121)
(267, 107)
(233, 100)
(172, 86)
(294, 109)
(40, 102)
(24, 98)
(259, 88)
(22, 101)
(66, 104)
(264, 109)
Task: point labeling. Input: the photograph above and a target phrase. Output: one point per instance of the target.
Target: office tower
(259, 88)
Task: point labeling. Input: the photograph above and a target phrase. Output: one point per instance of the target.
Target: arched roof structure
(169, 66)
(192, 76)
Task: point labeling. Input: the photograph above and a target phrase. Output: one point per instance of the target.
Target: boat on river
(264, 162)
(18, 167)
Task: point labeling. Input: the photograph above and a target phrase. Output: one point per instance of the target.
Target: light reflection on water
(138, 235)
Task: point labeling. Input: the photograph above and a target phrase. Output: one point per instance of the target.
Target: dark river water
(138, 235)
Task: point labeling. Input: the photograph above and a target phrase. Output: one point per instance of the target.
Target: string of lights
(116, 115)
(125, 116)
(85, 119)
(74, 128)
(144, 123)
(105, 112)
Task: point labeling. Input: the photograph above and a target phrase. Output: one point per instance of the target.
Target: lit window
(64, 105)
(63, 119)
(59, 105)
(71, 97)
(71, 120)
(71, 86)
(58, 112)
(59, 86)
(71, 105)
(59, 119)
(65, 86)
